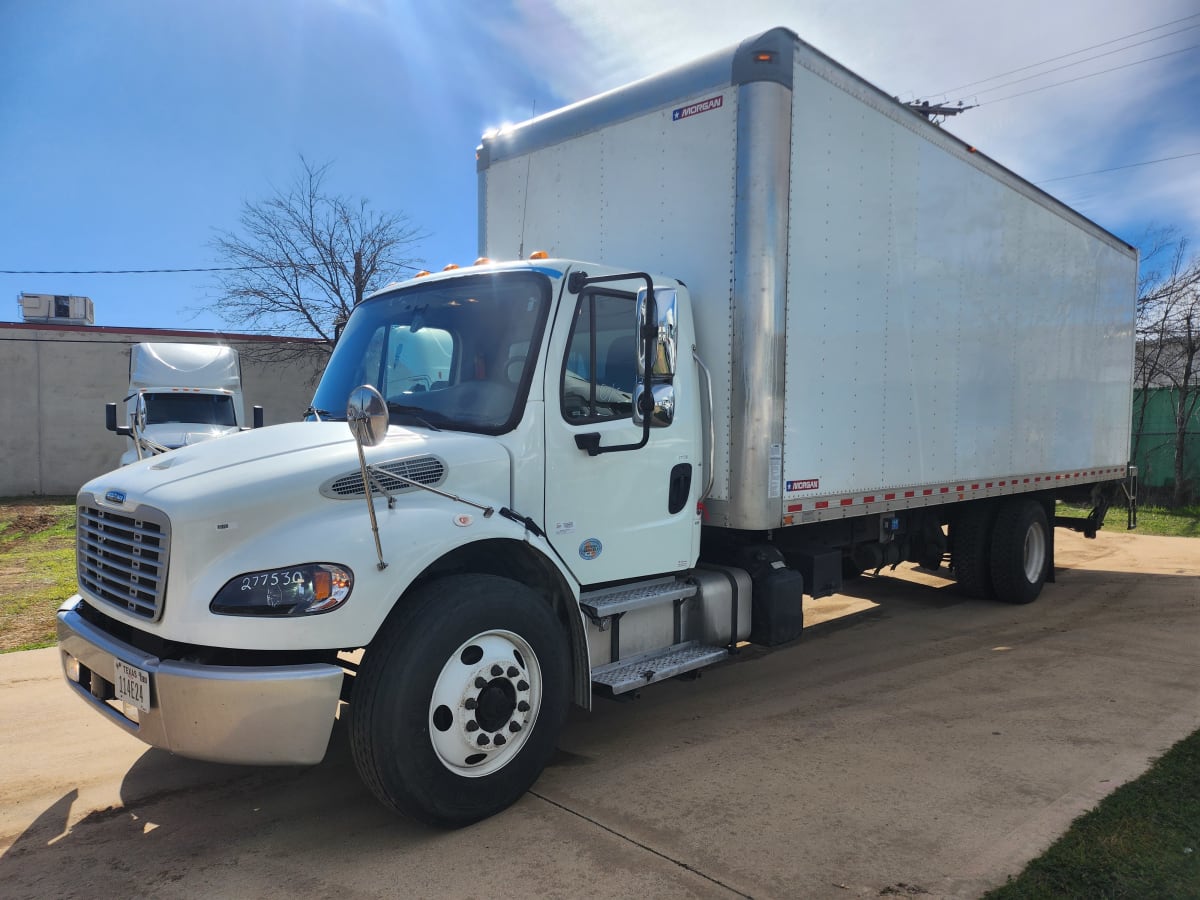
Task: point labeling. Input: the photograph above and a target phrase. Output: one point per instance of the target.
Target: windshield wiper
(320, 414)
(413, 413)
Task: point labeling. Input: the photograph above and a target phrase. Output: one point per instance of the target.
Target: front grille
(122, 559)
(428, 470)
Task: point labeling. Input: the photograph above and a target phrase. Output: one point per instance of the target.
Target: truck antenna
(525, 199)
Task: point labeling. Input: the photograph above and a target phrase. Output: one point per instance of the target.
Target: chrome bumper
(252, 715)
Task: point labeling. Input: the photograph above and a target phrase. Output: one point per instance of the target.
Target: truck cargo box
(892, 318)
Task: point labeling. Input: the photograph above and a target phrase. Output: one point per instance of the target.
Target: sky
(133, 131)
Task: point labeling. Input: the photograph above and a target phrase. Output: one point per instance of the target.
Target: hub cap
(1035, 552)
(485, 702)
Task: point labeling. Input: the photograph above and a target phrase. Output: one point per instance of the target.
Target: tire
(460, 699)
(1020, 551)
(971, 533)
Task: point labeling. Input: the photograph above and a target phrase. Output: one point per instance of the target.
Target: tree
(1168, 355)
(304, 258)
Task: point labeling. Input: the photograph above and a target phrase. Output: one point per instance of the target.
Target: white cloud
(1142, 112)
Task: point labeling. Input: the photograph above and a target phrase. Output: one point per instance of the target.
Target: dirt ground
(913, 742)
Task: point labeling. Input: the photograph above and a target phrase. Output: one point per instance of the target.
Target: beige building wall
(57, 378)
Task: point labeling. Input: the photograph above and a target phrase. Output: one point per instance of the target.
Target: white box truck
(784, 329)
(179, 394)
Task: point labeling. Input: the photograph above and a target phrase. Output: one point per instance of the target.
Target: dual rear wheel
(1002, 550)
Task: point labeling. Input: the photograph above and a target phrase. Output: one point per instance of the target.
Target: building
(57, 379)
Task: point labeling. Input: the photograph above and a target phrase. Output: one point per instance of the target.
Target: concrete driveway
(924, 745)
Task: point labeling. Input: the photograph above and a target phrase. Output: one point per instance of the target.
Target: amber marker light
(539, 254)
(422, 273)
(482, 261)
(450, 268)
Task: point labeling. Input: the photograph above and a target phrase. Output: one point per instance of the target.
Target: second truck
(784, 330)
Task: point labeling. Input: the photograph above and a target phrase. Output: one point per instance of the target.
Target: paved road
(929, 743)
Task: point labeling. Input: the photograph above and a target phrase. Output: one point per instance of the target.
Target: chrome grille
(122, 558)
(428, 470)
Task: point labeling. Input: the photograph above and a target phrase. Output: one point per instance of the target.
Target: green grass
(1142, 841)
(1182, 522)
(37, 568)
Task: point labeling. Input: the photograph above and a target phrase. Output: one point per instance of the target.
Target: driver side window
(599, 369)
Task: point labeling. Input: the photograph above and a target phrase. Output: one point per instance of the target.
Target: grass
(37, 568)
(1142, 841)
(1182, 522)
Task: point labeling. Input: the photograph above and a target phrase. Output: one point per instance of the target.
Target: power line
(1072, 53)
(398, 265)
(1093, 74)
(1079, 62)
(1148, 162)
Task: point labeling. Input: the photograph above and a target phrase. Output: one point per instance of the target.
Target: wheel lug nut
(480, 682)
(522, 685)
(471, 703)
(497, 671)
(512, 672)
(484, 740)
(523, 706)
(472, 725)
(500, 740)
(514, 727)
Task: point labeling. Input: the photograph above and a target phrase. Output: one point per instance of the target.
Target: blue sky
(130, 132)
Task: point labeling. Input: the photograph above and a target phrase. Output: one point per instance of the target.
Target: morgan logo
(804, 484)
(696, 108)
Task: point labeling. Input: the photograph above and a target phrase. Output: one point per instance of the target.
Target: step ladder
(606, 607)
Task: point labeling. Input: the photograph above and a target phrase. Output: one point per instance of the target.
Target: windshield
(455, 354)
(193, 409)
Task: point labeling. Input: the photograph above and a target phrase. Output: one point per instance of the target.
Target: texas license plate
(132, 685)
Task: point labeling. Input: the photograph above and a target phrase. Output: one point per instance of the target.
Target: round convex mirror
(367, 415)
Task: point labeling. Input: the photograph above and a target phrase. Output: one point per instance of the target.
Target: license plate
(132, 685)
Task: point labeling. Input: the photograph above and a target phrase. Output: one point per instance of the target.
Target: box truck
(179, 394)
(779, 329)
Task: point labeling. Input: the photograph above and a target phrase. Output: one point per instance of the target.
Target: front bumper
(252, 715)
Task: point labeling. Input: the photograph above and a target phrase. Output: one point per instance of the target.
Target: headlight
(300, 590)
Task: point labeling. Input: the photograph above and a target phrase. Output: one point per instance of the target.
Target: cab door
(624, 514)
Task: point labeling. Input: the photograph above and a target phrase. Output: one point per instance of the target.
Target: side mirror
(662, 412)
(666, 347)
(110, 421)
(367, 416)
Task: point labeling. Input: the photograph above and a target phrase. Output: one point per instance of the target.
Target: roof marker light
(539, 254)
(482, 261)
(450, 268)
(422, 273)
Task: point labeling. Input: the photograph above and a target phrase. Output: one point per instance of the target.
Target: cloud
(916, 50)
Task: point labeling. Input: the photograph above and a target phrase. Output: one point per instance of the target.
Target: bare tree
(304, 258)
(1169, 351)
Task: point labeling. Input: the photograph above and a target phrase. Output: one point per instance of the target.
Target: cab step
(612, 602)
(629, 674)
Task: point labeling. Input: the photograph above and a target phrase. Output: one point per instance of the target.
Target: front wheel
(460, 700)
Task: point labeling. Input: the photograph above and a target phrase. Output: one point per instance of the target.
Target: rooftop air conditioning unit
(57, 309)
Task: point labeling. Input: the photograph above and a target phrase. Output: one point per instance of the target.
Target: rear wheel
(460, 699)
(1020, 551)
(971, 534)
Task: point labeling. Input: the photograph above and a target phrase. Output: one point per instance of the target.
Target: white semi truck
(786, 329)
(179, 394)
